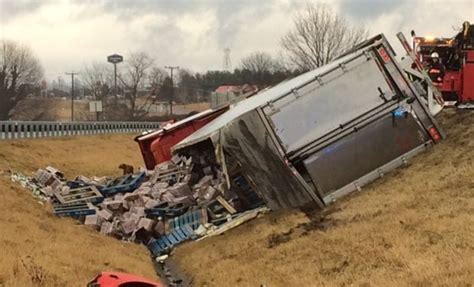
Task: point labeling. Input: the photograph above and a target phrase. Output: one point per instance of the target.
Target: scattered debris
(185, 198)
(38, 191)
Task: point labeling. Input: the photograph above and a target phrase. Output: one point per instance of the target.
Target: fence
(24, 129)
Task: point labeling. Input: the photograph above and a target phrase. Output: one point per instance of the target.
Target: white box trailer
(327, 132)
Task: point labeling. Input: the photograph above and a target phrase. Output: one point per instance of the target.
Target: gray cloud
(10, 9)
(230, 14)
(130, 8)
(90, 29)
(369, 9)
(230, 18)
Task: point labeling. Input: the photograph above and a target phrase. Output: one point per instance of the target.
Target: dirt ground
(40, 249)
(414, 227)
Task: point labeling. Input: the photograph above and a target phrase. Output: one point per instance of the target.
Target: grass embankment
(40, 249)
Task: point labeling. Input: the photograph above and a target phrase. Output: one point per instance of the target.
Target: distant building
(159, 108)
(224, 94)
(44, 89)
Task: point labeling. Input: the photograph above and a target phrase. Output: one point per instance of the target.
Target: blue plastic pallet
(74, 209)
(127, 183)
(168, 211)
(80, 195)
(251, 196)
(191, 218)
(76, 184)
(168, 241)
(181, 228)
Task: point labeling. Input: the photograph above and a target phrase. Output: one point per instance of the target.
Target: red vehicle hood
(117, 279)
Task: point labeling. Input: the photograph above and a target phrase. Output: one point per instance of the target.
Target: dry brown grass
(40, 249)
(414, 227)
(52, 109)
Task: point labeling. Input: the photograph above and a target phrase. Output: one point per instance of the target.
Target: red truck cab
(156, 146)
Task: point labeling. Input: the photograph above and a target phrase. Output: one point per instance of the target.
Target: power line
(172, 68)
(72, 74)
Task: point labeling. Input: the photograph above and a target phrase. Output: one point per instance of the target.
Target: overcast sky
(67, 34)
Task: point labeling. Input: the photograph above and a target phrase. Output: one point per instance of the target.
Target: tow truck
(457, 55)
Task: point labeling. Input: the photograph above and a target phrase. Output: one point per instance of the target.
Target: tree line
(318, 36)
(142, 82)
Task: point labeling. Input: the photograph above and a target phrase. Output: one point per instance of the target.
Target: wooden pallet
(226, 204)
(219, 209)
(172, 174)
(127, 183)
(74, 209)
(81, 194)
(237, 220)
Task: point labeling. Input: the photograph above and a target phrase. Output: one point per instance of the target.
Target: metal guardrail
(28, 129)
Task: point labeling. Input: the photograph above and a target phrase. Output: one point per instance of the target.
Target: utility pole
(171, 68)
(72, 74)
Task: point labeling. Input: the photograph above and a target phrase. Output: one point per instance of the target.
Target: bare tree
(319, 36)
(20, 72)
(140, 78)
(156, 77)
(98, 79)
(260, 66)
(188, 89)
(258, 62)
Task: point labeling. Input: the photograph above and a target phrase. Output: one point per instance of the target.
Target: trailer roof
(261, 99)
(173, 125)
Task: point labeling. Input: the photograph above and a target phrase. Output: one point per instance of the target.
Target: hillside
(413, 227)
(40, 249)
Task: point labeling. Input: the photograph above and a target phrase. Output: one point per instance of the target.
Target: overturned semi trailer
(327, 132)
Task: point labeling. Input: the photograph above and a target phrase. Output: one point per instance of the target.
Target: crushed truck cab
(156, 146)
(326, 133)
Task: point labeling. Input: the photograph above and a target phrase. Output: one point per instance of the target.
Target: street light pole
(115, 79)
(171, 68)
(72, 74)
(115, 59)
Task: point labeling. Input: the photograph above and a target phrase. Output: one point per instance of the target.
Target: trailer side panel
(249, 142)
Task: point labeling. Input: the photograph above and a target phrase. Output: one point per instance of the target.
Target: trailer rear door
(356, 155)
(345, 125)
